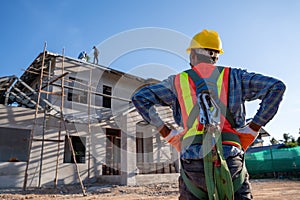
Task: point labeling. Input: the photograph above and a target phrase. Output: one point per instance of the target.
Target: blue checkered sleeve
(245, 86)
(162, 94)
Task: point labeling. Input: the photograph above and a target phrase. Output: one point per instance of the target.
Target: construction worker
(83, 56)
(201, 177)
(96, 54)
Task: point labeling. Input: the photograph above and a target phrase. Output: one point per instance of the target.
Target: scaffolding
(17, 91)
(62, 123)
(39, 97)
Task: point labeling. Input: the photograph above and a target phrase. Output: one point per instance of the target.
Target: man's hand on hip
(174, 138)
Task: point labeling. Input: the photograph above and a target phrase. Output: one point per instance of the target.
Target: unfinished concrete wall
(123, 86)
(79, 77)
(13, 173)
(42, 170)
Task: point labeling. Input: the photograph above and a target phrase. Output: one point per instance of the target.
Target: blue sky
(260, 36)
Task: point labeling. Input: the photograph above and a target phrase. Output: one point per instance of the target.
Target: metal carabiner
(209, 110)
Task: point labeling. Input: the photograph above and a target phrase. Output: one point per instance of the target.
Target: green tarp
(273, 160)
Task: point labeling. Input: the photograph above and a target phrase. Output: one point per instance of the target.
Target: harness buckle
(209, 110)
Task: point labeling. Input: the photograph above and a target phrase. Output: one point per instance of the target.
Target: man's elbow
(280, 87)
(134, 98)
(137, 98)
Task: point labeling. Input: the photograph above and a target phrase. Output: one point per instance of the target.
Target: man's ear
(192, 56)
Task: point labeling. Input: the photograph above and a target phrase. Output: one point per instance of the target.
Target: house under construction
(66, 121)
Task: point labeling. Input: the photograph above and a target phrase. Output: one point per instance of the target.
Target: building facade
(85, 128)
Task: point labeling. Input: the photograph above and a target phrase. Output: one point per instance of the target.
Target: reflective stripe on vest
(187, 99)
(217, 80)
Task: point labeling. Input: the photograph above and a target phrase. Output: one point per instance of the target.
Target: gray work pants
(194, 169)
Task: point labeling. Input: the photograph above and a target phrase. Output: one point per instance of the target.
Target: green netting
(273, 160)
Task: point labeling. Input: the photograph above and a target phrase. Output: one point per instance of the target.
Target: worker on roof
(96, 54)
(83, 56)
(222, 175)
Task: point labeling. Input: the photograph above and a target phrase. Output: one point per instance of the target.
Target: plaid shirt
(243, 86)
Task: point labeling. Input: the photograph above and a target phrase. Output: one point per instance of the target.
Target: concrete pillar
(128, 150)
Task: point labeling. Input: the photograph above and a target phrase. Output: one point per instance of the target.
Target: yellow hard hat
(206, 39)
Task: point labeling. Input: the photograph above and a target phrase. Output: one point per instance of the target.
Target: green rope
(217, 175)
(208, 165)
(222, 174)
(218, 178)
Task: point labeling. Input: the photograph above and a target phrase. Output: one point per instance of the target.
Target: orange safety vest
(218, 81)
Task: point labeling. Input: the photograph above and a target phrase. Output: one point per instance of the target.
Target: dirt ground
(263, 189)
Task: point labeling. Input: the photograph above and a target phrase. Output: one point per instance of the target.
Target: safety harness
(210, 83)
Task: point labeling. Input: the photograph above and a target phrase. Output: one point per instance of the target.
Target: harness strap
(200, 194)
(209, 168)
(226, 138)
(198, 81)
(217, 175)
